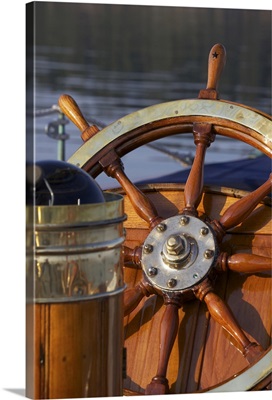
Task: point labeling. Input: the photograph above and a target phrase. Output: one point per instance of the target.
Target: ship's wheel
(179, 247)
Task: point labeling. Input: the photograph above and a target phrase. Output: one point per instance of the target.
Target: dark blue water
(115, 59)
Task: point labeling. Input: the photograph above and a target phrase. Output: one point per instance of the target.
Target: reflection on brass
(73, 252)
(231, 112)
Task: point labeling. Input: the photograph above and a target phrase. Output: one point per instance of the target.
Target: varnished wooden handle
(240, 210)
(245, 263)
(72, 111)
(223, 315)
(216, 63)
(70, 108)
(249, 263)
(168, 333)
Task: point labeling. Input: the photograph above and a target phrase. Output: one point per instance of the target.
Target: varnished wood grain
(216, 63)
(77, 349)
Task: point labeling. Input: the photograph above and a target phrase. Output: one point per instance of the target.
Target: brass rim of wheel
(178, 117)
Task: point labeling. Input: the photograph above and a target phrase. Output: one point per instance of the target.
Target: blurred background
(115, 59)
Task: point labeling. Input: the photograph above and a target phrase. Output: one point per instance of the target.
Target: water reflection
(116, 59)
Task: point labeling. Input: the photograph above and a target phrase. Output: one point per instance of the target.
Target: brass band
(74, 252)
(232, 112)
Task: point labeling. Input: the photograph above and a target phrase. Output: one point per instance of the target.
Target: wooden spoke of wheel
(222, 314)
(203, 132)
(168, 333)
(243, 262)
(203, 136)
(240, 210)
(113, 167)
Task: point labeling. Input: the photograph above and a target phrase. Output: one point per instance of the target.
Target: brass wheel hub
(179, 253)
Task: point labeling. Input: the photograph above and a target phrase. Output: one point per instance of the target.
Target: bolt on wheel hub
(179, 251)
(180, 255)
